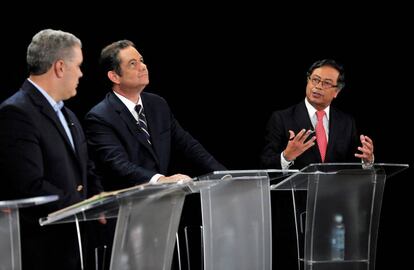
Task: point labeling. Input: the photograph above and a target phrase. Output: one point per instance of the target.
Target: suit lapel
(150, 113)
(76, 136)
(334, 132)
(131, 123)
(46, 109)
(303, 121)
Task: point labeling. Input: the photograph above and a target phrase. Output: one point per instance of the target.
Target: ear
(337, 93)
(59, 68)
(113, 76)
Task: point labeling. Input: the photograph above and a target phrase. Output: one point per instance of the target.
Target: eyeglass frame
(323, 83)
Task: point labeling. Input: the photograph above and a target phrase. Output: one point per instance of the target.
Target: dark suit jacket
(119, 148)
(37, 159)
(342, 142)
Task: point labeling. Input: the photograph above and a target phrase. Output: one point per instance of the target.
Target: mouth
(316, 93)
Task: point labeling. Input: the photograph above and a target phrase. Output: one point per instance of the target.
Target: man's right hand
(174, 178)
(297, 144)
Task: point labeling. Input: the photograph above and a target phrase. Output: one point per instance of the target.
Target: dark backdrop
(224, 71)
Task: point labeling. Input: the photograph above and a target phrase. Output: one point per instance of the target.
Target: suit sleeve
(107, 149)
(275, 142)
(183, 142)
(21, 159)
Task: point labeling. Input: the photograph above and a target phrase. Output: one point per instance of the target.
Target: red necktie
(321, 134)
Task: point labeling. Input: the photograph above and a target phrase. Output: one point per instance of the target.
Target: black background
(224, 70)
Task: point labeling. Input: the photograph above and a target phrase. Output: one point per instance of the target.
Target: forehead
(129, 53)
(326, 73)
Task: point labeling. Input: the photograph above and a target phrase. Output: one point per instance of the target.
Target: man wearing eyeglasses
(296, 138)
(291, 140)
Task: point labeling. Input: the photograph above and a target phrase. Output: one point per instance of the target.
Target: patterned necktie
(321, 134)
(142, 122)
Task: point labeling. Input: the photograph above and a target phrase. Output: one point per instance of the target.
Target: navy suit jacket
(37, 159)
(119, 148)
(342, 142)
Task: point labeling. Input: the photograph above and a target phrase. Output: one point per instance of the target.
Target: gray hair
(47, 47)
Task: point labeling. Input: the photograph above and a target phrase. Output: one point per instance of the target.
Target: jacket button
(79, 188)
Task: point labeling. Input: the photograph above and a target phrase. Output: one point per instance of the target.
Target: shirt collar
(129, 104)
(312, 110)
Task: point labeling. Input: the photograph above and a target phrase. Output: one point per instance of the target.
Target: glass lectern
(10, 257)
(337, 221)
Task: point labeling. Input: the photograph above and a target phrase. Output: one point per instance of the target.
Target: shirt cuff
(284, 163)
(368, 164)
(155, 178)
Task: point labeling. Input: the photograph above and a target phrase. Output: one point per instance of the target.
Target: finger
(368, 139)
(300, 134)
(365, 154)
(309, 144)
(102, 220)
(291, 135)
(368, 146)
(364, 150)
(306, 135)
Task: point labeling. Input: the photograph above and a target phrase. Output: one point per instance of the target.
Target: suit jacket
(37, 159)
(342, 141)
(121, 152)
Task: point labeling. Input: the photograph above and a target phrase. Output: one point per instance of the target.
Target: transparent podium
(147, 222)
(236, 218)
(10, 257)
(337, 211)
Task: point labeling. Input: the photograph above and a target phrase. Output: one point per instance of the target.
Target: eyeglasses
(325, 84)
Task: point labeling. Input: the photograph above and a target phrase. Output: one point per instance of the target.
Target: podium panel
(10, 255)
(337, 223)
(147, 222)
(236, 219)
(145, 232)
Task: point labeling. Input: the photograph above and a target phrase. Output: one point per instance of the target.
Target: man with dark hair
(132, 134)
(311, 131)
(289, 139)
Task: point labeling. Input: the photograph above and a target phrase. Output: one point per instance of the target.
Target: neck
(132, 96)
(46, 84)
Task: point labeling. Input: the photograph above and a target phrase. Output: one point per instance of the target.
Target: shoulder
(337, 113)
(153, 99)
(103, 107)
(289, 111)
(17, 102)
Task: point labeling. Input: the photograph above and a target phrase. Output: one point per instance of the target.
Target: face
(134, 73)
(72, 73)
(322, 88)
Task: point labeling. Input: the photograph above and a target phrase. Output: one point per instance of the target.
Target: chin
(72, 95)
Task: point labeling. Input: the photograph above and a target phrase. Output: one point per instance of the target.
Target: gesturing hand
(298, 144)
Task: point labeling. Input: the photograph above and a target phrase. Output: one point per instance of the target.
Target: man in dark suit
(297, 137)
(127, 148)
(43, 149)
(289, 143)
(132, 135)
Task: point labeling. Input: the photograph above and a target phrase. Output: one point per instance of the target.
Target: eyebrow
(327, 79)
